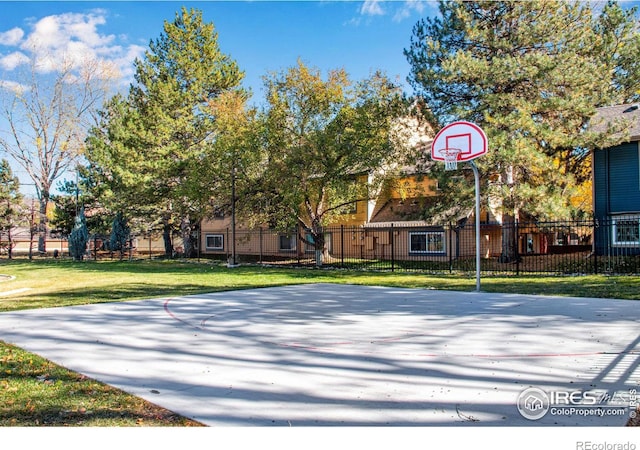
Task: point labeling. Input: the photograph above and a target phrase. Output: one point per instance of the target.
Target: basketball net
(450, 158)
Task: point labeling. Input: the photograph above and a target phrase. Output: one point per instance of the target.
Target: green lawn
(62, 283)
(36, 392)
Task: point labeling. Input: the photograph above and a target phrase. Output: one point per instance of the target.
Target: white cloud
(372, 8)
(69, 41)
(56, 31)
(13, 86)
(398, 11)
(13, 60)
(408, 8)
(11, 37)
(125, 61)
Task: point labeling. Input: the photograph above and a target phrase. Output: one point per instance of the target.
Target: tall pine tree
(182, 71)
(120, 234)
(149, 142)
(10, 204)
(531, 74)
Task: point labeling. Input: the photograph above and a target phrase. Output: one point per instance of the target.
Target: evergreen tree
(531, 75)
(10, 203)
(79, 237)
(182, 71)
(148, 144)
(120, 234)
(74, 195)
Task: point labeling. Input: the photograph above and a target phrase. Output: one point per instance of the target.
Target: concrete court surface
(343, 355)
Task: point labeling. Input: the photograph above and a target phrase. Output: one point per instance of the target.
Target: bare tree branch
(48, 120)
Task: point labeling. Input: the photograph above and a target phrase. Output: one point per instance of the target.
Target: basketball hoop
(450, 158)
(462, 141)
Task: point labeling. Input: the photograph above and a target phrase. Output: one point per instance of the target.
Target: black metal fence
(603, 246)
(562, 247)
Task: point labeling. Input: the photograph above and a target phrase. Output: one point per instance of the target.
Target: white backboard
(467, 137)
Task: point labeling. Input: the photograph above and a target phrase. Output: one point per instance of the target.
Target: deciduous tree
(48, 115)
(225, 175)
(327, 142)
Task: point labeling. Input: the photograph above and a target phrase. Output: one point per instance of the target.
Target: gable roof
(398, 210)
(623, 120)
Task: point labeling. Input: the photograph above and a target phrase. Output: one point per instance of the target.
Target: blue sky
(261, 36)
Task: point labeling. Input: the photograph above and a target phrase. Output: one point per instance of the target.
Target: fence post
(516, 241)
(299, 243)
(261, 238)
(392, 239)
(449, 248)
(595, 246)
(342, 246)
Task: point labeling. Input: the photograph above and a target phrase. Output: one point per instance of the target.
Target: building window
(426, 242)
(215, 242)
(309, 243)
(288, 242)
(626, 232)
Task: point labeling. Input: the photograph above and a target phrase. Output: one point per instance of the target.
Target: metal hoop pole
(476, 175)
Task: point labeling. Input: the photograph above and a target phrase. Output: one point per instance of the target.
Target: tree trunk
(186, 228)
(32, 229)
(318, 245)
(508, 239)
(43, 224)
(166, 235)
(10, 245)
(509, 217)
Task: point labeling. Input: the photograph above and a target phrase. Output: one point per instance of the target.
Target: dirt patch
(5, 278)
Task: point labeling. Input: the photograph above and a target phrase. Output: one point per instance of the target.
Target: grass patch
(36, 392)
(65, 283)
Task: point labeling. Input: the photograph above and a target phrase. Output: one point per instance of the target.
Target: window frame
(427, 234)
(293, 242)
(614, 231)
(214, 235)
